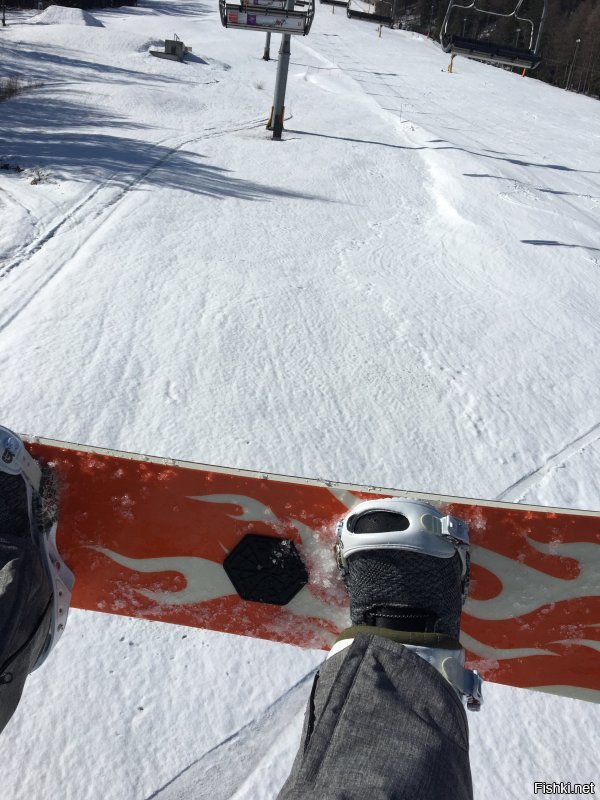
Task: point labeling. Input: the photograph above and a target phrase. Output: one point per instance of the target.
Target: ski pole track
(34, 247)
(520, 487)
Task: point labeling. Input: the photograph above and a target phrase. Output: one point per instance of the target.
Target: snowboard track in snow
(518, 489)
(67, 219)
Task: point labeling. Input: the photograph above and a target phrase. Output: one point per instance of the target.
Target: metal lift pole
(267, 50)
(281, 82)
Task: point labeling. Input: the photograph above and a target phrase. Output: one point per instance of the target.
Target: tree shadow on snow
(52, 66)
(35, 115)
(60, 136)
(179, 9)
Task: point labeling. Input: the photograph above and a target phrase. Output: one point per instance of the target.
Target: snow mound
(61, 15)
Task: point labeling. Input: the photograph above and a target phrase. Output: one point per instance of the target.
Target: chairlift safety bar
(492, 51)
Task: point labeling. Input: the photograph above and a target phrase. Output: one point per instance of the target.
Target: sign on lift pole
(278, 16)
(283, 64)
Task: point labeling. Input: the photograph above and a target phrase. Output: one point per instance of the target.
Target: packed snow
(61, 15)
(402, 292)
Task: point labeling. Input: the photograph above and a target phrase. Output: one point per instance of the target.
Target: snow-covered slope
(62, 15)
(402, 292)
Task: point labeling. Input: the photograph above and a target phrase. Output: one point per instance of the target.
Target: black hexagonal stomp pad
(266, 569)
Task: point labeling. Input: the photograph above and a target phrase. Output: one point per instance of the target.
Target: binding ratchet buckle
(411, 525)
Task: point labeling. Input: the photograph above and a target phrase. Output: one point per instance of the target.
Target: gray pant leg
(18, 668)
(25, 616)
(381, 724)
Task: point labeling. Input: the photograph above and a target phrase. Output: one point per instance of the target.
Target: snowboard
(251, 554)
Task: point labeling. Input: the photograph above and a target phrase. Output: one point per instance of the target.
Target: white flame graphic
(252, 510)
(499, 654)
(522, 583)
(524, 589)
(207, 580)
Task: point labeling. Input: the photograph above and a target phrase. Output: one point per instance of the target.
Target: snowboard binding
(400, 524)
(42, 509)
(406, 566)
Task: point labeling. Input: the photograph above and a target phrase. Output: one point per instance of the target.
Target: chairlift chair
(356, 12)
(495, 52)
(268, 15)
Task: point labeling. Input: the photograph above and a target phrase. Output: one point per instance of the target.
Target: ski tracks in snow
(410, 241)
(88, 212)
(520, 487)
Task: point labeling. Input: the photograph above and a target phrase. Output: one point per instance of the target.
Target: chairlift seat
(353, 13)
(496, 53)
(267, 15)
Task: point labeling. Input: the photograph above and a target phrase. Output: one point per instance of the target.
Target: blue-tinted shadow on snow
(59, 136)
(519, 162)
(554, 243)
(127, 163)
(352, 139)
(320, 68)
(546, 190)
(479, 154)
(183, 8)
(188, 8)
(52, 66)
(192, 59)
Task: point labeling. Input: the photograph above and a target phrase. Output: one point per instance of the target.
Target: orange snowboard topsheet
(147, 537)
